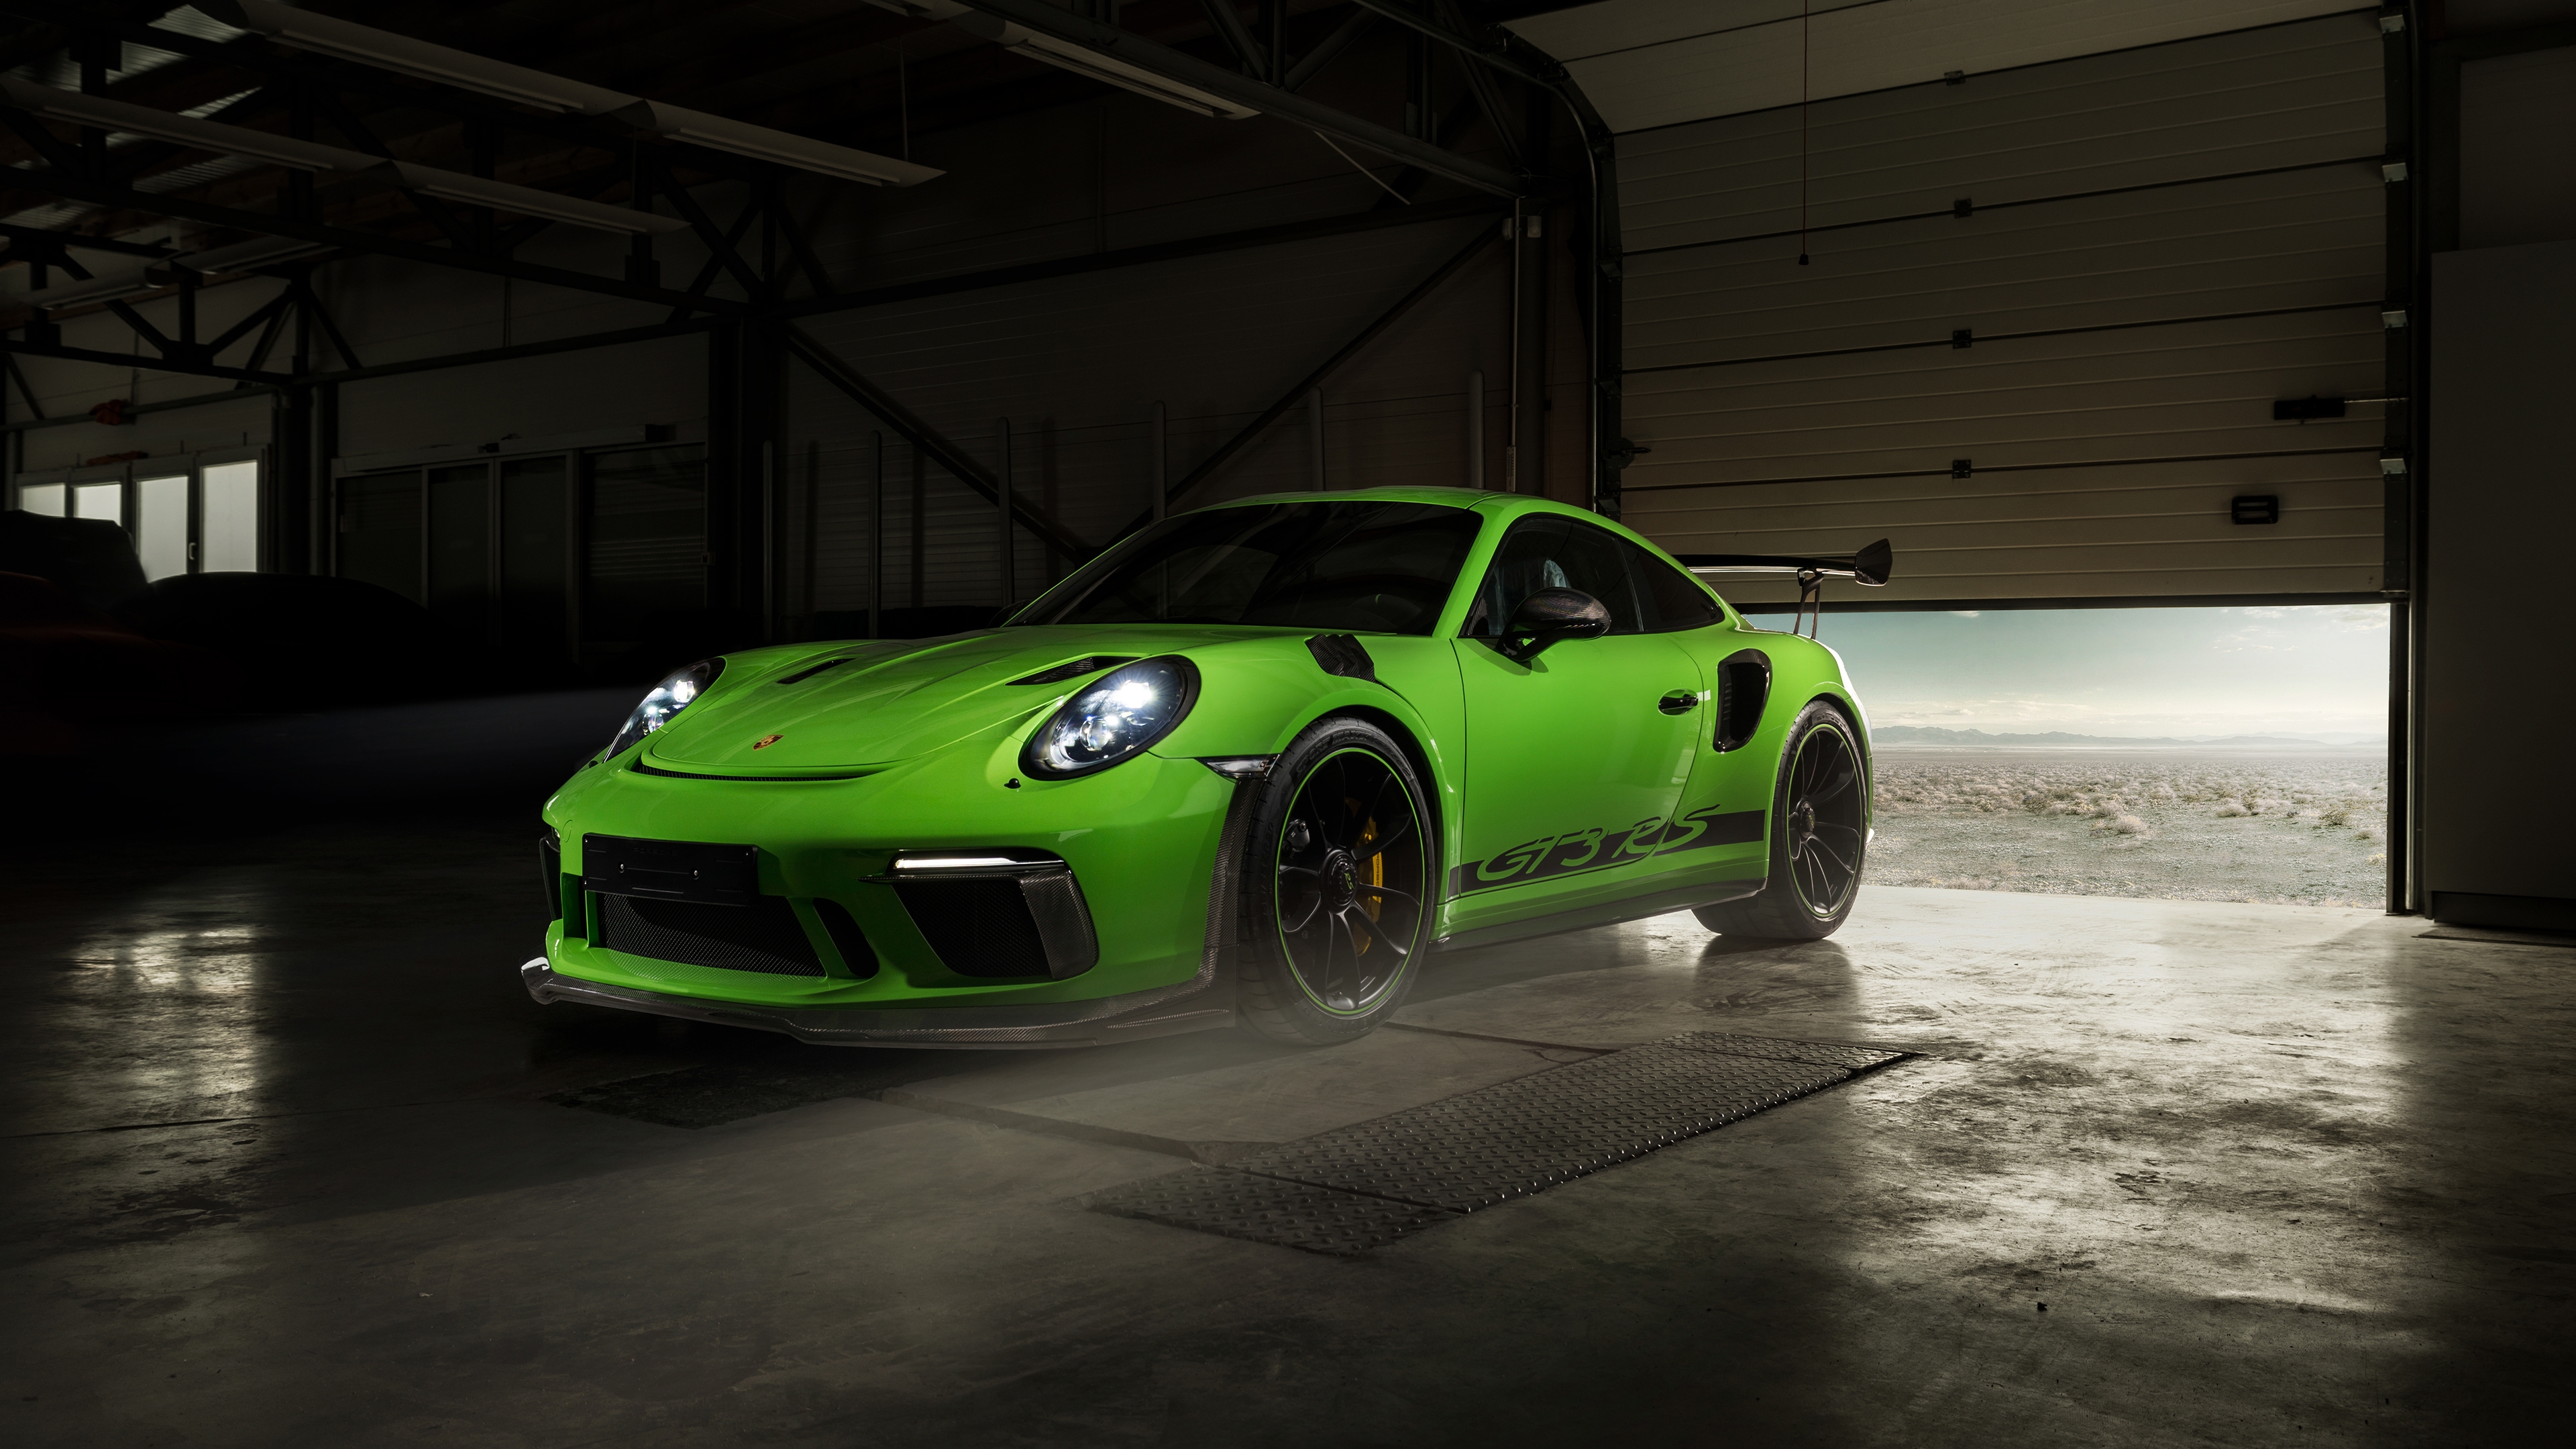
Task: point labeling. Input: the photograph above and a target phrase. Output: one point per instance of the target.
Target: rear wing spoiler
(1869, 568)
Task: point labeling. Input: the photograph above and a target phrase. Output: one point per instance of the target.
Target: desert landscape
(2271, 825)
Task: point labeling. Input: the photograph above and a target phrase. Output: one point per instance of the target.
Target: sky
(2319, 671)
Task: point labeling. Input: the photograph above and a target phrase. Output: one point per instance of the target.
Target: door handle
(1678, 701)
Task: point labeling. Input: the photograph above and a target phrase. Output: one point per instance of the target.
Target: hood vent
(805, 674)
(1074, 669)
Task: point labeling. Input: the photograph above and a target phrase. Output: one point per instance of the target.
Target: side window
(1551, 552)
(1675, 599)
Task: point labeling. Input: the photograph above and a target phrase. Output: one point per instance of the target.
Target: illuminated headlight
(1113, 717)
(666, 701)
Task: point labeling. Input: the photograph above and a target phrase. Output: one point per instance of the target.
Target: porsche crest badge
(768, 740)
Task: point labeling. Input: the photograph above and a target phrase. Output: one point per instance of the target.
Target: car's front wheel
(1819, 835)
(1341, 875)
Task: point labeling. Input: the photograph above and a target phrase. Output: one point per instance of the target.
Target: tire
(1340, 883)
(1819, 813)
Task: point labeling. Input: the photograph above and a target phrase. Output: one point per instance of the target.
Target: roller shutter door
(2047, 318)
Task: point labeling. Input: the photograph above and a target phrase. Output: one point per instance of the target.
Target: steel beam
(122, 361)
(1359, 23)
(1260, 236)
(255, 381)
(1209, 466)
(1270, 100)
(1228, 24)
(929, 441)
(55, 182)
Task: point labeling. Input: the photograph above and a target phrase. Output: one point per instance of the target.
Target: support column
(745, 379)
(724, 464)
(1525, 455)
(292, 484)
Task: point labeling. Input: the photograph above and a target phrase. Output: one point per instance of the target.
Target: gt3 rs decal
(1595, 847)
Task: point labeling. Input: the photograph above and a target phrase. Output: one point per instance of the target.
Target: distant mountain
(2059, 739)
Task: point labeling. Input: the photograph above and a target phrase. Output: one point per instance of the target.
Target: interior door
(1575, 760)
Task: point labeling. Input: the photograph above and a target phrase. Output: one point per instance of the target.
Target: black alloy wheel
(1819, 836)
(1827, 825)
(1340, 887)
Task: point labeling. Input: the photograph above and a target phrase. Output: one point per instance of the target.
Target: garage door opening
(2195, 754)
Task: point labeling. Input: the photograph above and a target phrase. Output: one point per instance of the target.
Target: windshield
(1369, 567)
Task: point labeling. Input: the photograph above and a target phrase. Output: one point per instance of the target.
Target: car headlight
(664, 704)
(1113, 717)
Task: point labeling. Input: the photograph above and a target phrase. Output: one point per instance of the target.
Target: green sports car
(1249, 765)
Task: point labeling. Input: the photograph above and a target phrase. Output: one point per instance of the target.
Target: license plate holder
(671, 870)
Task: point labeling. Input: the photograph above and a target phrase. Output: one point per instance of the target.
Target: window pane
(380, 531)
(99, 500)
(647, 529)
(1553, 552)
(228, 542)
(1378, 567)
(1674, 599)
(161, 526)
(44, 498)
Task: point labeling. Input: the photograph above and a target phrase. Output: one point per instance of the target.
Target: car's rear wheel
(1819, 836)
(1340, 881)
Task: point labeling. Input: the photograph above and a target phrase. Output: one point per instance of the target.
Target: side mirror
(1548, 617)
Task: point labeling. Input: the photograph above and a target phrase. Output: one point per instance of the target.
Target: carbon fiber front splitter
(1164, 1011)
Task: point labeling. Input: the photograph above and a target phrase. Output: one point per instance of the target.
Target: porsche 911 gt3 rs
(1250, 765)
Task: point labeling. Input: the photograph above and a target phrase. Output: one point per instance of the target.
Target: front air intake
(1010, 919)
(764, 936)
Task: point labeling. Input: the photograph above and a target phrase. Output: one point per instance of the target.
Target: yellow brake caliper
(1377, 877)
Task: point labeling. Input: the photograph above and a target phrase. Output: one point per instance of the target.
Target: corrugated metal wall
(2046, 317)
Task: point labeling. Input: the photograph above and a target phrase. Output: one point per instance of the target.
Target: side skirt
(1605, 913)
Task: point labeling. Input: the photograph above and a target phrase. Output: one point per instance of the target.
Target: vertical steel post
(1512, 408)
(2434, 173)
(1476, 427)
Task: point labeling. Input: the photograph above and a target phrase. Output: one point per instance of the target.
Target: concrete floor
(291, 1159)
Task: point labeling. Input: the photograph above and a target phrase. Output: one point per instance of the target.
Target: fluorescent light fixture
(323, 35)
(525, 200)
(1081, 60)
(366, 45)
(741, 138)
(333, 161)
(114, 115)
(264, 251)
(110, 288)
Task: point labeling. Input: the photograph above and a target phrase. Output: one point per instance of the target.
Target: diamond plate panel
(1364, 1186)
(1523, 1136)
(1825, 1054)
(1268, 1210)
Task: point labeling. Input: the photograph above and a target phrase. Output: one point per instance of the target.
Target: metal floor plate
(1268, 1210)
(1363, 1186)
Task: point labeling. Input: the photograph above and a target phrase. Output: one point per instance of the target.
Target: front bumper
(1136, 1016)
